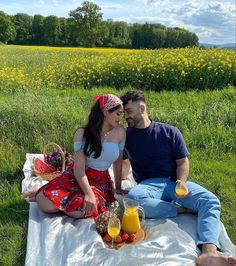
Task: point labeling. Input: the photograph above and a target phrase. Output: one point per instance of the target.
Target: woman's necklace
(106, 134)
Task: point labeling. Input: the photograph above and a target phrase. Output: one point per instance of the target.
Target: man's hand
(181, 189)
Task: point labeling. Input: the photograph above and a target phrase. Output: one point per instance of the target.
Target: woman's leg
(29, 195)
(45, 204)
(76, 214)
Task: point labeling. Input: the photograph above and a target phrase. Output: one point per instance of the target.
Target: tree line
(85, 27)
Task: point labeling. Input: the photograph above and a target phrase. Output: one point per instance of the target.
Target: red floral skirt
(66, 195)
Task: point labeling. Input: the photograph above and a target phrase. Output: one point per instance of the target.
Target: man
(158, 156)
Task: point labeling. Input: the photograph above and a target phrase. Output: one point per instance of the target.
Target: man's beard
(133, 122)
(130, 122)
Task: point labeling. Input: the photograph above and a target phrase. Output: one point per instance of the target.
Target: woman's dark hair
(92, 131)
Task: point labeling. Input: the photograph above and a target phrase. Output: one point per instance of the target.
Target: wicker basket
(51, 175)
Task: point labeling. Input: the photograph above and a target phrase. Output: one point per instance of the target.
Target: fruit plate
(140, 235)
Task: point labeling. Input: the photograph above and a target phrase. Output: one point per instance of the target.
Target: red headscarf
(107, 101)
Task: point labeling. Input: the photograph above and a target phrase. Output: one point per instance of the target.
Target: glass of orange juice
(113, 228)
(181, 189)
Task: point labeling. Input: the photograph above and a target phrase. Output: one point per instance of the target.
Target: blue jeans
(157, 197)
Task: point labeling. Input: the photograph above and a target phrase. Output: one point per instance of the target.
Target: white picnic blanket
(56, 239)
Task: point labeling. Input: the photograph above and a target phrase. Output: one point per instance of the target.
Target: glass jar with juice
(130, 220)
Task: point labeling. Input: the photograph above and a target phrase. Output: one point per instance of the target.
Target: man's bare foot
(185, 210)
(215, 259)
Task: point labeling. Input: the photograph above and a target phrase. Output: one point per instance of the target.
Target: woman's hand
(90, 204)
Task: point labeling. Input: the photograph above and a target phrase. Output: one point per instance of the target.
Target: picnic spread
(56, 239)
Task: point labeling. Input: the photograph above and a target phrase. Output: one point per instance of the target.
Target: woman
(85, 189)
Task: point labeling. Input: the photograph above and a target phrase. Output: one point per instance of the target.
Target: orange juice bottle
(130, 221)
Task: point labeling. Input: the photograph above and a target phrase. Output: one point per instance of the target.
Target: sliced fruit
(42, 167)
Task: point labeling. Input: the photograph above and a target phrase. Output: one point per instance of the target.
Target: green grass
(30, 119)
(13, 223)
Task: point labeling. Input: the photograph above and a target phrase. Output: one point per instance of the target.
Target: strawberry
(118, 240)
(124, 236)
(131, 238)
(107, 238)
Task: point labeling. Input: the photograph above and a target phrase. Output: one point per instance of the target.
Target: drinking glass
(181, 191)
(113, 229)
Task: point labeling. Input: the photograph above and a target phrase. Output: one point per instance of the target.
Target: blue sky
(212, 21)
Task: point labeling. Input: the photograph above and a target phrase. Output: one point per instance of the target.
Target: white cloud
(213, 16)
(153, 3)
(142, 19)
(214, 21)
(55, 2)
(145, 18)
(112, 6)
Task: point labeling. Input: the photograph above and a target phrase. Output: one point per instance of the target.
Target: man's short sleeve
(179, 147)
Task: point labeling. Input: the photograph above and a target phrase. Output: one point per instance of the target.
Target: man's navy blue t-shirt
(153, 151)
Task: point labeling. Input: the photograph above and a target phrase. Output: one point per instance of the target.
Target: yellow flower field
(26, 67)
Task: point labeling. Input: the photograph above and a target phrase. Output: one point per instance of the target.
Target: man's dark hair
(134, 96)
